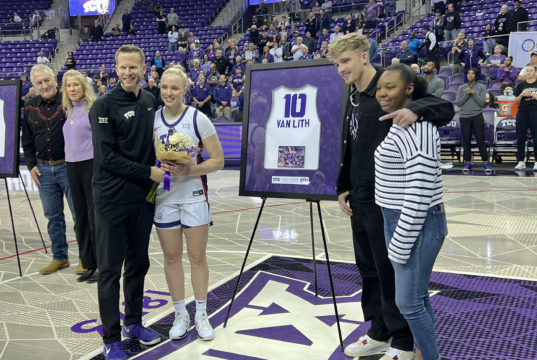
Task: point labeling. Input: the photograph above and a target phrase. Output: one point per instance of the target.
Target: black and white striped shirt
(408, 178)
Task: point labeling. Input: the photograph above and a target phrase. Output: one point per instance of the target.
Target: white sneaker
(396, 354)
(203, 327)
(521, 165)
(366, 346)
(180, 326)
(535, 166)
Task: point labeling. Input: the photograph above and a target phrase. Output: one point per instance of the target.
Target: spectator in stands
(349, 25)
(415, 68)
(431, 46)
(195, 71)
(181, 57)
(254, 34)
(452, 23)
(173, 37)
(503, 24)
(439, 5)
(373, 47)
(533, 62)
(323, 22)
(286, 49)
(406, 56)
(508, 73)
(237, 81)
(196, 47)
(213, 77)
(222, 97)
(96, 31)
(85, 36)
(326, 6)
(263, 40)
(161, 21)
(267, 55)
(101, 91)
(116, 30)
(276, 52)
(336, 33)
(42, 59)
(31, 94)
(182, 40)
(151, 8)
(305, 54)
(316, 9)
(519, 14)
(35, 19)
(132, 30)
(472, 56)
(298, 49)
(323, 50)
(201, 96)
(70, 62)
(372, 14)
(16, 19)
(471, 101)
(43, 144)
(159, 63)
(126, 19)
(111, 84)
(158, 7)
(495, 62)
(153, 88)
(96, 85)
(88, 78)
(490, 101)
(101, 75)
(311, 23)
(310, 42)
(306, 4)
(438, 25)
(414, 43)
(195, 56)
(488, 40)
(205, 64)
(232, 50)
(222, 64)
(250, 53)
(25, 88)
(458, 46)
(526, 96)
(435, 85)
(173, 19)
(239, 64)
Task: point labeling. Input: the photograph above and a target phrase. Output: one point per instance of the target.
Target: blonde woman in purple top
(77, 99)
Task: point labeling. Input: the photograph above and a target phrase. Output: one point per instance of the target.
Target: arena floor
(484, 289)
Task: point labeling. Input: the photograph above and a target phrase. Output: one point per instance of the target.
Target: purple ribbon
(167, 178)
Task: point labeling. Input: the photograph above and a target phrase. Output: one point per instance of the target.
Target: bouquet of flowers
(179, 149)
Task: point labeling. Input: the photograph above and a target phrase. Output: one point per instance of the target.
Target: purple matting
(477, 317)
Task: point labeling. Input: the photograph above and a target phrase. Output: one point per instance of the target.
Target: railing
(525, 23)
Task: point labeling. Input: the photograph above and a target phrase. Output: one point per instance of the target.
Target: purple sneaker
(467, 167)
(487, 167)
(114, 351)
(143, 334)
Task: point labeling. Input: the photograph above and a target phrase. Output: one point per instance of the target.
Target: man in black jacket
(503, 24)
(363, 132)
(452, 23)
(519, 14)
(122, 127)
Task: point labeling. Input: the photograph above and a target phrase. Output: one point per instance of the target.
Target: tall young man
(122, 126)
(363, 132)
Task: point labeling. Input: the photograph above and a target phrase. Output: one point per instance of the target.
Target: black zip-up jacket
(357, 170)
(42, 130)
(122, 128)
(452, 20)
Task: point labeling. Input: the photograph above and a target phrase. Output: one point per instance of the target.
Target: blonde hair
(176, 70)
(89, 95)
(352, 41)
(131, 49)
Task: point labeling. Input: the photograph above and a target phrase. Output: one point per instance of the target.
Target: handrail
(525, 22)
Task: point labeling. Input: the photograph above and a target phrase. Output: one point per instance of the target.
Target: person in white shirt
(336, 33)
(297, 50)
(41, 59)
(276, 52)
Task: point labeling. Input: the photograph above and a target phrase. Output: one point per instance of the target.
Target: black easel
(314, 262)
(13, 222)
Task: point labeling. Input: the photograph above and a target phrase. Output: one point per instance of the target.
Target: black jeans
(378, 280)
(122, 236)
(475, 124)
(525, 120)
(79, 175)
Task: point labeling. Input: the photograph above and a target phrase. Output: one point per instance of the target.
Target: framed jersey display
(291, 136)
(9, 128)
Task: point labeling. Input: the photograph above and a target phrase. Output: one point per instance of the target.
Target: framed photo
(9, 128)
(291, 138)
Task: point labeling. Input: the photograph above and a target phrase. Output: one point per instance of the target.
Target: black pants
(122, 236)
(79, 175)
(525, 120)
(378, 282)
(206, 109)
(475, 124)
(434, 56)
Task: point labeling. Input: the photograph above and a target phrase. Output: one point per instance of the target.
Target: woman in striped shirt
(408, 188)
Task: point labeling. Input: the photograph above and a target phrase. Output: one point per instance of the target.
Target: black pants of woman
(79, 175)
(476, 125)
(525, 120)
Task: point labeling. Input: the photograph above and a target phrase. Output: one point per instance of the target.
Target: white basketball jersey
(2, 130)
(183, 189)
(292, 137)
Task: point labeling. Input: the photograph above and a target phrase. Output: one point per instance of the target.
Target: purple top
(371, 11)
(495, 59)
(77, 133)
(509, 76)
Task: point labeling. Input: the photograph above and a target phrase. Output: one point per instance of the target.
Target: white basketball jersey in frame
(293, 127)
(2, 130)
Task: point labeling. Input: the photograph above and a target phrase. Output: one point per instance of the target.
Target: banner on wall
(291, 135)
(91, 7)
(9, 128)
(521, 45)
